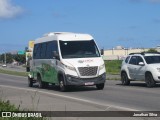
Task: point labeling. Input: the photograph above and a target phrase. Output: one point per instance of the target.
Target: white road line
(73, 98)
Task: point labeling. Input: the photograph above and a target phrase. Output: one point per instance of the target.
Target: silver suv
(141, 66)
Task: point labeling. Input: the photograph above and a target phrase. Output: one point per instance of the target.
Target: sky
(129, 23)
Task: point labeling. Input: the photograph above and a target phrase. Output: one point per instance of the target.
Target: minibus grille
(88, 71)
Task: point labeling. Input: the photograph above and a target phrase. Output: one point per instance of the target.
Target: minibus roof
(64, 36)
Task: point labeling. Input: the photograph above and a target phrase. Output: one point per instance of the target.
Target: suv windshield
(79, 49)
(152, 59)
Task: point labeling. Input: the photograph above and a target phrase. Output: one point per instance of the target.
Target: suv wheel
(124, 79)
(149, 80)
(62, 85)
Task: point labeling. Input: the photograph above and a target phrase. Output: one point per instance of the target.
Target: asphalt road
(114, 97)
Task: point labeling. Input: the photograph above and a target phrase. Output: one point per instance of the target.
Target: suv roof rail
(150, 52)
(143, 53)
(134, 53)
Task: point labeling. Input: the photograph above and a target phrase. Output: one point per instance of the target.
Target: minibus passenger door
(54, 63)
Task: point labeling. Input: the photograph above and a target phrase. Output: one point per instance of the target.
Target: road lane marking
(73, 98)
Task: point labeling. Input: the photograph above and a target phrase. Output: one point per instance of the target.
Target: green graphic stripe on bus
(49, 74)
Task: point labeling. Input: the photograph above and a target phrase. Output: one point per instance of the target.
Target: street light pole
(5, 58)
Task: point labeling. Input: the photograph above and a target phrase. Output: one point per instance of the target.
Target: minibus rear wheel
(40, 82)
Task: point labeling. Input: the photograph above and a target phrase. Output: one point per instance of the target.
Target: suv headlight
(158, 69)
(101, 67)
(69, 67)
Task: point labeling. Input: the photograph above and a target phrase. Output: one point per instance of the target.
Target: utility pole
(5, 58)
(0, 59)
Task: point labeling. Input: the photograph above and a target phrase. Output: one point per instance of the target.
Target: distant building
(119, 47)
(120, 53)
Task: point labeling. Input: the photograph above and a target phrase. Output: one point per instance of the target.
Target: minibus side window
(37, 50)
(43, 51)
(51, 46)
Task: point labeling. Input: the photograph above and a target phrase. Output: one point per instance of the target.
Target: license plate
(89, 83)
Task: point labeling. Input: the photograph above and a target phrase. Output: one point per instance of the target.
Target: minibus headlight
(69, 67)
(101, 67)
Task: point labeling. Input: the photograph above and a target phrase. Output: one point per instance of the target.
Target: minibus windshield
(78, 49)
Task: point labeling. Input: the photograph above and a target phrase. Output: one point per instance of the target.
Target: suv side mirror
(141, 63)
(56, 55)
(102, 52)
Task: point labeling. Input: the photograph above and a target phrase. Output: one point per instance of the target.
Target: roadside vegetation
(8, 107)
(10, 58)
(13, 72)
(113, 66)
(152, 50)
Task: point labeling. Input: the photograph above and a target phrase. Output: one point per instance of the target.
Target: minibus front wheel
(62, 85)
(41, 84)
(30, 82)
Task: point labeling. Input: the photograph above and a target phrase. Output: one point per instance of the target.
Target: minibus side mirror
(56, 55)
(102, 52)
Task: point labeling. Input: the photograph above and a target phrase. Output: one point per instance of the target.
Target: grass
(113, 78)
(13, 72)
(5, 106)
(113, 66)
(8, 107)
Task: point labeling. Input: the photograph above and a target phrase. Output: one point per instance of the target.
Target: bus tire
(62, 85)
(40, 82)
(30, 82)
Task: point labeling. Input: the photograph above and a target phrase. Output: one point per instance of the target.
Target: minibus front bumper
(72, 80)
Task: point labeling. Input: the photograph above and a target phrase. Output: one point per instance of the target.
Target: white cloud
(8, 10)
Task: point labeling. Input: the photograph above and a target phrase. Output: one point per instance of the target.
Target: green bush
(7, 107)
(113, 66)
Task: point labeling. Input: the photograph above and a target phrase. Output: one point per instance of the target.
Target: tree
(20, 58)
(1, 60)
(152, 50)
(9, 58)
